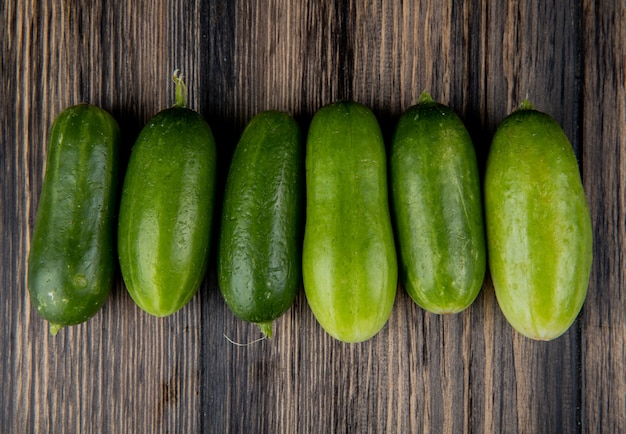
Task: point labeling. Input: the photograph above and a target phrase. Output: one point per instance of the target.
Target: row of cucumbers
(530, 221)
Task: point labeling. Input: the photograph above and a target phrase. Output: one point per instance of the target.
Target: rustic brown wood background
(126, 372)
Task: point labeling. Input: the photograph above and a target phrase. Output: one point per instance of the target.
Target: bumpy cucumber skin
(259, 259)
(539, 233)
(437, 209)
(349, 260)
(72, 261)
(166, 211)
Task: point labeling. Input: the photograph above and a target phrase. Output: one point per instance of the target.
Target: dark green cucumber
(166, 209)
(539, 233)
(259, 263)
(72, 254)
(437, 208)
(349, 259)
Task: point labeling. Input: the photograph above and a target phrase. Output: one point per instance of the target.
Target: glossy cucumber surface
(259, 259)
(166, 210)
(72, 260)
(349, 259)
(437, 208)
(539, 232)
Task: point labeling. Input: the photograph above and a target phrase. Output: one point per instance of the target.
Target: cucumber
(539, 235)
(349, 261)
(71, 262)
(259, 262)
(166, 209)
(437, 208)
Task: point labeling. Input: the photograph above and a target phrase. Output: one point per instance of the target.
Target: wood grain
(122, 370)
(604, 175)
(126, 372)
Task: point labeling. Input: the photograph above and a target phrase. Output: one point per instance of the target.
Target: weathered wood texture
(124, 371)
(604, 175)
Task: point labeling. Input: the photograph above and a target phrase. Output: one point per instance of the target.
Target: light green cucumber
(539, 233)
(349, 260)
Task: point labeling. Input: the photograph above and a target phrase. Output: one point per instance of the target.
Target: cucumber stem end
(425, 97)
(526, 105)
(266, 328)
(54, 328)
(181, 89)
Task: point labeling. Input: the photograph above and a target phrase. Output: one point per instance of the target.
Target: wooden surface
(126, 372)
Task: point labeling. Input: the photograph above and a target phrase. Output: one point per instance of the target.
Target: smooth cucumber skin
(539, 233)
(349, 260)
(166, 211)
(259, 258)
(72, 261)
(437, 208)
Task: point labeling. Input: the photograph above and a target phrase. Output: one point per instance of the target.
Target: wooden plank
(530, 52)
(122, 371)
(604, 177)
(468, 372)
